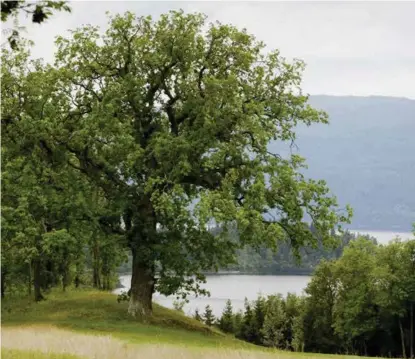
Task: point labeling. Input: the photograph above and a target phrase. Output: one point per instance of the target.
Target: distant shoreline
(226, 273)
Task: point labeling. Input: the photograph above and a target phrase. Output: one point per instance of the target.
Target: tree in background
(226, 320)
(361, 303)
(37, 189)
(208, 317)
(317, 333)
(355, 310)
(274, 322)
(292, 308)
(259, 312)
(197, 316)
(237, 323)
(263, 260)
(247, 327)
(47, 208)
(396, 296)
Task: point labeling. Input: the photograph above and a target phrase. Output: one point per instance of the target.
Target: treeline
(60, 259)
(361, 304)
(265, 260)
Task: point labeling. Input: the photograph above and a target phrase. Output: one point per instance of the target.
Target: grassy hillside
(99, 313)
(90, 324)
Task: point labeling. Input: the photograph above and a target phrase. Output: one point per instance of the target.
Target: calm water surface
(233, 287)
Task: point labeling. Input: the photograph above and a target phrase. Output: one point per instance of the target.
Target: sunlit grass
(91, 324)
(56, 343)
(22, 354)
(99, 313)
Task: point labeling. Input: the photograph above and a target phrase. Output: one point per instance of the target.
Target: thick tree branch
(203, 69)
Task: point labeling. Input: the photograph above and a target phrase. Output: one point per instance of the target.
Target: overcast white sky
(350, 48)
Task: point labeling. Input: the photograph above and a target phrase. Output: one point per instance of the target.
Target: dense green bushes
(361, 304)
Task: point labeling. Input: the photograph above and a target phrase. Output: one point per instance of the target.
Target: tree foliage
(208, 316)
(168, 127)
(166, 116)
(226, 320)
(48, 213)
(361, 303)
(281, 260)
(39, 11)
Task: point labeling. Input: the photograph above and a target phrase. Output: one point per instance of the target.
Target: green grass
(21, 354)
(96, 312)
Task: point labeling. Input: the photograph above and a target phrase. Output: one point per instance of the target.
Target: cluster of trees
(263, 260)
(362, 303)
(135, 139)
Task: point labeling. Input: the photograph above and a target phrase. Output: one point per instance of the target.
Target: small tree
(178, 305)
(237, 323)
(226, 321)
(274, 322)
(258, 320)
(292, 305)
(247, 331)
(298, 342)
(197, 316)
(208, 316)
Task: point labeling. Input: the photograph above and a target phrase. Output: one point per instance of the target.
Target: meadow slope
(91, 324)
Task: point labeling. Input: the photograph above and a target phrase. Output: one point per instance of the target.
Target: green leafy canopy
(171, 119)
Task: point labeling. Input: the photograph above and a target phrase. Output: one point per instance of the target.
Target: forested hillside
(266, 261)
(367, 156)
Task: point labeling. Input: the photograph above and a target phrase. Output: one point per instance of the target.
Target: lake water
(233, 287)
(237, 287)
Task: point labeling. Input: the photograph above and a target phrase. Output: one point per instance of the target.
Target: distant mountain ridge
(367, 156)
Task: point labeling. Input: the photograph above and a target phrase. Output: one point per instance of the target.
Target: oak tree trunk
(142, 288)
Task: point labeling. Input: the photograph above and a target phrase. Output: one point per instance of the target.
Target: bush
(123, 297)
(179, 305)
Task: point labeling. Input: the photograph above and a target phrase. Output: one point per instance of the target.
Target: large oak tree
(172, 120)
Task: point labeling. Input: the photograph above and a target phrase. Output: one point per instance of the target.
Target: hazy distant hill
(367, 156)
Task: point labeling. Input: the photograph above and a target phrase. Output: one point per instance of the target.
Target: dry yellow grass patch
(48, 339)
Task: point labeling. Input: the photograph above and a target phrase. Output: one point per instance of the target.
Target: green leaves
(171, 124)
(39, 12)
(353, 301)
